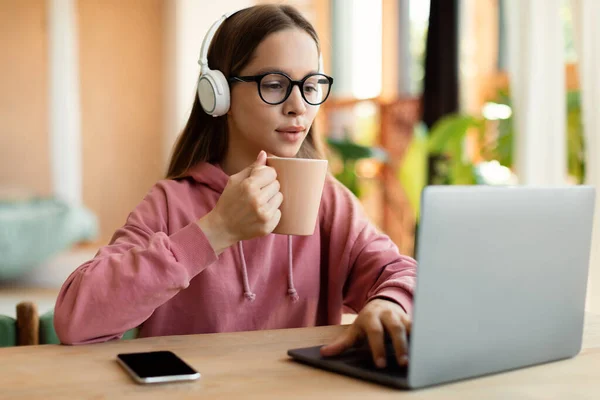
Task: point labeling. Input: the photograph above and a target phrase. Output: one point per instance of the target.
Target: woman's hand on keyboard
(375, 319)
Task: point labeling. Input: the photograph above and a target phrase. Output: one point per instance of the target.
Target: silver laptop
(501, 284)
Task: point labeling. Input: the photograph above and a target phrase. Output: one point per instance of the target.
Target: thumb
(261, 160)
(342, 343)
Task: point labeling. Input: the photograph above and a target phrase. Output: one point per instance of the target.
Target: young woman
(197, 254)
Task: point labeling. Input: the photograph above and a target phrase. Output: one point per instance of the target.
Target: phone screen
(156, 364)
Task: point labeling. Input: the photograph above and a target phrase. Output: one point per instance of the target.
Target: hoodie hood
(209, 175)
(215, 178)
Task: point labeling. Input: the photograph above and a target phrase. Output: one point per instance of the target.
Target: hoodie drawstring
(291, 289)
(247, 293)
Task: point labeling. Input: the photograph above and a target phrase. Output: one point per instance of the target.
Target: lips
(291, 129)
(291, 134)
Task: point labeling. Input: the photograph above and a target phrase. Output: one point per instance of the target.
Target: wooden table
(254, 365)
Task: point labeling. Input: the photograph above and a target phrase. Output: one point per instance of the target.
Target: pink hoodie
(160, 273)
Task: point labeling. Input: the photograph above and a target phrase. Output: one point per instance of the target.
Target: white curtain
(65, 108)
(586, 15)
(537, 75)
(357, 48)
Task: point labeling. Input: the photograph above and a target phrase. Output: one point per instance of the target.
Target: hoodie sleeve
(141, 269)
(366, 263)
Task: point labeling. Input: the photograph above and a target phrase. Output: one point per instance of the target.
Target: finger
(375, 337)
(407, 321)
(274, 221)
(394, 325)
(267, 193)
(274, 203)
(341, 343)
(272, 212)
(269, 214)
(262, 176)
(261, 160)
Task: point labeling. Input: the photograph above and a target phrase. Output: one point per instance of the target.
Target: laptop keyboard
(360, 357)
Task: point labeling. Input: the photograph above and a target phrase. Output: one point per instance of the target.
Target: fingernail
(403, 360)
(380, 362)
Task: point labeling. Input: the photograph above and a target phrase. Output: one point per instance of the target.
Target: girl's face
(278, 129)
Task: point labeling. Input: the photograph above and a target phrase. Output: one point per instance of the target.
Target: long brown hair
(205, 138)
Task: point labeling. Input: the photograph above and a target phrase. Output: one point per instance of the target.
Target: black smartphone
(156, 367)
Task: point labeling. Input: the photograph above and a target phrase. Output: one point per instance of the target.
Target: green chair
(48, 334)
(8, 331)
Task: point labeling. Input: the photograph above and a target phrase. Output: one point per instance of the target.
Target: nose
(294, 104)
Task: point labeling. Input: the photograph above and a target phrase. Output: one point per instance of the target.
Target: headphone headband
(203, 58)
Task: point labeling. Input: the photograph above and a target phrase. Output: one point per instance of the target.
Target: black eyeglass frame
(300, 84)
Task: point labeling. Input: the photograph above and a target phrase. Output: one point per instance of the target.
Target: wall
(24, 157)
(121, 51)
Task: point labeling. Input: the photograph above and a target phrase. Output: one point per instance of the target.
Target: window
(419, 23)
(357, 48)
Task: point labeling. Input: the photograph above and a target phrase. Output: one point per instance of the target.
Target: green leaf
(412, 173)
(575, 143)
(573, 100)
(504, 148)
(462, 174)
(351, 151)
(449, 131)
(349, 179)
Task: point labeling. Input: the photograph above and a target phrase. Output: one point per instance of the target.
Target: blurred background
(94, 94)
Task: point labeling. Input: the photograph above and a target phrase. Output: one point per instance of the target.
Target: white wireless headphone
(213, 89)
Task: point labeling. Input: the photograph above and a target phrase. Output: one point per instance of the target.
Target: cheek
(311, 114)
(259, 118)
(253, 117)
(246, 106)
(242, 102)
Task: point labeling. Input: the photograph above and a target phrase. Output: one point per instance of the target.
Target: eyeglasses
(275, 87)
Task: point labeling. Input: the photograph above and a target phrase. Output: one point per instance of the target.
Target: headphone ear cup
(213, 93)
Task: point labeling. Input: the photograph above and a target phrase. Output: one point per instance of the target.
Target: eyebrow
(277, 70)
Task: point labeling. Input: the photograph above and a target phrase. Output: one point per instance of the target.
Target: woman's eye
(310, 89)
(273, 86)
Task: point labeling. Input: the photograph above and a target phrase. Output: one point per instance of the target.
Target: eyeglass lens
(274, 88)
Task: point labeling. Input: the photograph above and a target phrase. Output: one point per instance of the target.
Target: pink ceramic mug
(302, 182)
